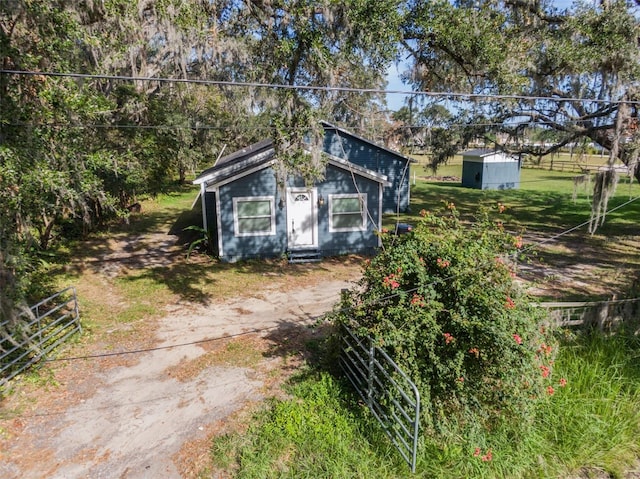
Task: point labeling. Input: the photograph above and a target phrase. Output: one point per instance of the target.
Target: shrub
(443, 302)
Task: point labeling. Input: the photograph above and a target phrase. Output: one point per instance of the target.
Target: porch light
(320, 201)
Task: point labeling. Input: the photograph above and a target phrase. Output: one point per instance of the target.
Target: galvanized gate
(55, 319)
(391, 396)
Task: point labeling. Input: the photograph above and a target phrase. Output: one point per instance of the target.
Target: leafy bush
(443, 302)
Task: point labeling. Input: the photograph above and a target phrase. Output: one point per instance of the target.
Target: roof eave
(347, 132)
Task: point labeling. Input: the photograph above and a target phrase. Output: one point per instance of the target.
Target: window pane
(346, 205)
(254, 208)
(351, 220)
(254, 225)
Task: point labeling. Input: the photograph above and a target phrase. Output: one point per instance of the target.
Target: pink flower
(501, 207)
(477, 452)
(448, 338)
(461, 379)
(562, 382)
(550, 390)
(517, 338)
(545, 371)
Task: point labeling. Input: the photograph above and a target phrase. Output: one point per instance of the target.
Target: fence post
(371, 367)
(39, 326)
(76, 309)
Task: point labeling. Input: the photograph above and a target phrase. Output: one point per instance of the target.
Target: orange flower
(488, 456)
(518, 242)
(442, 263)
(509, 304)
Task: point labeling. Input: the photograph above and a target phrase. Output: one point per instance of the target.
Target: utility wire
(266, 127)
(279, 86)
(321, 316)
(172, 346)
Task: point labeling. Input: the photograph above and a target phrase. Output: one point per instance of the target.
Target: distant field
(546, 201)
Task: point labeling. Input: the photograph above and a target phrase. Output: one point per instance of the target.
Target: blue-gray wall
(377, 159)
(260, 183)
(263, 183)
(339, 181)
(490, 176)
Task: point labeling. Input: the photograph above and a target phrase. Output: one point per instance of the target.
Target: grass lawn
(588, 428)
(322, 430)
(543, 204)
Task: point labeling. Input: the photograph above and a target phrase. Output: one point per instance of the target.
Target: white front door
(302, 227)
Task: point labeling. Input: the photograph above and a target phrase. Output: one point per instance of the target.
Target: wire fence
(392, 398)
(50, 323)
(600, 315)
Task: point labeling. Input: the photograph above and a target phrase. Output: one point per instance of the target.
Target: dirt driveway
(152, 414)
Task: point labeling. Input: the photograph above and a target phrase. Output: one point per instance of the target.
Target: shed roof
(481, 152)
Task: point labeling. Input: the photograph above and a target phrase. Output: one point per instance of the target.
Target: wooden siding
(263, 183)
(212, 220)
(377, 159)
(260, 183)
(339, 181)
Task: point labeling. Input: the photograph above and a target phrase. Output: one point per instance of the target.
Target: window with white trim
(347, 212)
(254, 216)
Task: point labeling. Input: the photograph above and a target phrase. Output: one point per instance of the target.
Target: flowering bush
(443, 303)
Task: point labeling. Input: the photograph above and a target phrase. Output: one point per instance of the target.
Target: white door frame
(293, 222)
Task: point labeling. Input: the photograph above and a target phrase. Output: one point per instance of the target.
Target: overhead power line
(314, 88)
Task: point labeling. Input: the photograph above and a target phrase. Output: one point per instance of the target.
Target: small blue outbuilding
(488, 169)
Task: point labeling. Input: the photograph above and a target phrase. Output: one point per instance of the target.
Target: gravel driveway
(133, 420)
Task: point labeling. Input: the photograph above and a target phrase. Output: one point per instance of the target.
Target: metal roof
(328, 126)
(262, 153)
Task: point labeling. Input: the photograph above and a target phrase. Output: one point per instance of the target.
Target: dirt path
(153, 414)
(136, 418)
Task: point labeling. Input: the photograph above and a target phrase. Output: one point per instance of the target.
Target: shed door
(302, 224)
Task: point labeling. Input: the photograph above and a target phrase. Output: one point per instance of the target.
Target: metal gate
(55, 319)
(391, 396)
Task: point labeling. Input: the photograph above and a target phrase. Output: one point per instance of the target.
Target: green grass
(542, 204)
(323, 431)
